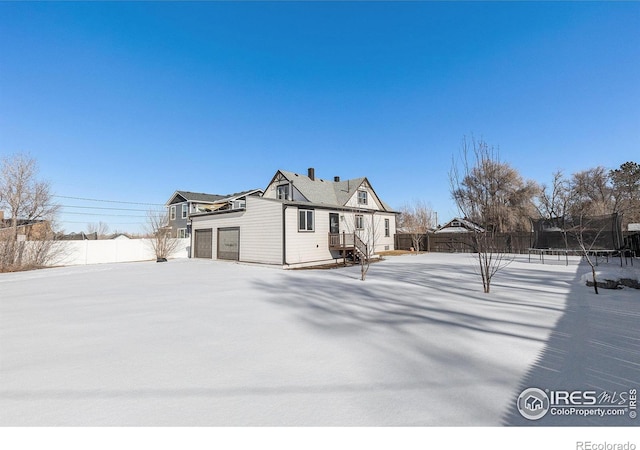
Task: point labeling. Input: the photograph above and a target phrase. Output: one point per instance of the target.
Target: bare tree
(30, 206)
(591, 193)
(417, 219)
(363, 231)
(160, 235)
(588, 232)
(478, 188)
(491, 192)
(101, 229)
(553, 201)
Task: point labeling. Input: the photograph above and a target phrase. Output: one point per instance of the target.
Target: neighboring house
(81, 236)
(457, 225)
(27, 229)
(299, 220)
(183, 203)
(120, 237)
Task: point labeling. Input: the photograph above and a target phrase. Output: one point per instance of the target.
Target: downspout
(373, 232)
(284, 235)
(190, 252)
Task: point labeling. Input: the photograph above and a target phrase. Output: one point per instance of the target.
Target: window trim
(359, 221)
(387, 228)
(363, 197)
(178, 233)
(286, 188)
(185, 210)
(307, 213)
(172, 213)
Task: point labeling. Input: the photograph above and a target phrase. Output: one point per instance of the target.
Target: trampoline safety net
(598, 232)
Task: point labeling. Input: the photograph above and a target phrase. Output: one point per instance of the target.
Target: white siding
(272, 191)
(261, 234)
(372, 200)
(373, 231)
(307, 246)
(260, 230)
(382, 242)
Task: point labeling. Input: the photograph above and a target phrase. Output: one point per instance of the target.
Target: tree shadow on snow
(348, 305)
(595, 346)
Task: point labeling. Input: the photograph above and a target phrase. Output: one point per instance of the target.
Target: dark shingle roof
(207, 198)
(323, 191)
(199, 197)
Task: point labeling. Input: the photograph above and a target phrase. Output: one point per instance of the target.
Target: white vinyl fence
(69, 253)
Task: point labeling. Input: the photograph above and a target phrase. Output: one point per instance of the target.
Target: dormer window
(362, 197)
(282, 192)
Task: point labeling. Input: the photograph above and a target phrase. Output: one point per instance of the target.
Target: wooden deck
(341, 241)
(349, 243)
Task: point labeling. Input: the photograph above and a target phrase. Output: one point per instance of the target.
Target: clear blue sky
(132, 101)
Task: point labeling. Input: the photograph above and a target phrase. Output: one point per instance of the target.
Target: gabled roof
(237, 195)
(326, 192)
(323, 191)
(81, 236)
(194, 197)
(21, 222)
(209, 198)
(466, 226)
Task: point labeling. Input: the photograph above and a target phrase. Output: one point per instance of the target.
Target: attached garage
(203, 243)
(251, 234)
(229, 243)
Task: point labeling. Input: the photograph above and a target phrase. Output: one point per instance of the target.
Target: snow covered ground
(206, 343)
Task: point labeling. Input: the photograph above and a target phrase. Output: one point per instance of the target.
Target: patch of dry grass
(398, 253)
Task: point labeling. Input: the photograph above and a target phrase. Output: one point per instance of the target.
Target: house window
(182, 233)
(359, 221)
(172, 213)
(282, 192)
(455, 223)
(386, 228)
(305, 220)
(362, 197)
(185, 211)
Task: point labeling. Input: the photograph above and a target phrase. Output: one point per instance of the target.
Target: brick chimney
(336, 179)
(312, 173)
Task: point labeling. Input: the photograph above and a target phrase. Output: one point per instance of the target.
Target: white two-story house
(299, 220)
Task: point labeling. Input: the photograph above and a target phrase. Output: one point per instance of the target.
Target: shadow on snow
(595, 346)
